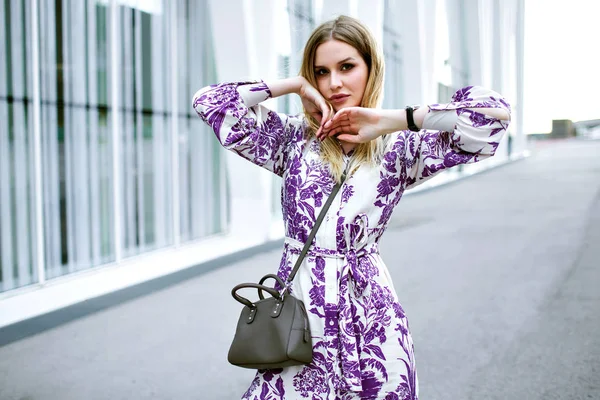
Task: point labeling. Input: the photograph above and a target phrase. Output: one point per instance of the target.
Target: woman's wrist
(392, 121)
(419, 116)
(286, 86)
(395, 120)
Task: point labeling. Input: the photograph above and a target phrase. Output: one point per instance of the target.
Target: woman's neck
(347, 147)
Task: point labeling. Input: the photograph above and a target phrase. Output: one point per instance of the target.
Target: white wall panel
(332, 9)
(411, 15)
(371, 13)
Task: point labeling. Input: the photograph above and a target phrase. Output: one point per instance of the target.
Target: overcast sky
(562, 62)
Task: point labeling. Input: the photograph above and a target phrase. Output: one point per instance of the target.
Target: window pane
(17, 224)
(302, 23)
(145, 135)
(392, 50)
(203, 205)
(76, 135)
(78, 184)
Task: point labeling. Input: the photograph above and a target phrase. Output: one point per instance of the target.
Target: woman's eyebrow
(339, 62)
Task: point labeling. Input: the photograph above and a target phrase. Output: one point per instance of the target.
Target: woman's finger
(346, 113)
(341, 129)
(346, 137)
(334, 124)
(321, 115)
(326, 111)
(337, 120)
(318, 116)
(318, 132)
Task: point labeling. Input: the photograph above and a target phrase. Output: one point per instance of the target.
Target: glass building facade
(101, 156)
(103, 161)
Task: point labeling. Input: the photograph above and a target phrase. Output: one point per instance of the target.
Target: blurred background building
(107, 176)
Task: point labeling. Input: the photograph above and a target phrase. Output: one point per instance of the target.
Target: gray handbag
(274, 332)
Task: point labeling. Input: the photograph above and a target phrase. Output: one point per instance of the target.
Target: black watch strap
(410, 121)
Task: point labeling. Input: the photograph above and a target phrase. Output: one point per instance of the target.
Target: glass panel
(302, 22)
(203, 207)
(17, 224)
(145, 134)
(392, 50)
(76, 135)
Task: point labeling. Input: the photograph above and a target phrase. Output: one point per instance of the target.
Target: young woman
(361, 342)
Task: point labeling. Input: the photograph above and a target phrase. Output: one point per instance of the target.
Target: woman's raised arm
(466, 130)
(251, 130)
(245, 127)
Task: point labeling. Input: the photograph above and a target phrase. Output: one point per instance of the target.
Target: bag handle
(260, 288)
(315, 228)
(270, 276)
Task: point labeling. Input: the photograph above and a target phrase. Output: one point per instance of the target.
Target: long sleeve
(475, 136)
(241, 125)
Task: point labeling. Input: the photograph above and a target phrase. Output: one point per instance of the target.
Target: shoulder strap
(315, 228)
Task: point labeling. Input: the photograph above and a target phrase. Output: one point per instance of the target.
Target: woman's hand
(356, 125)
(314, 103)
(312, 100)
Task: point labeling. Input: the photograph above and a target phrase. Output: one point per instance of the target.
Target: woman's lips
(339, 98)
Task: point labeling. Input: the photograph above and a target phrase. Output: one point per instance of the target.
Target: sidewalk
(498, 273)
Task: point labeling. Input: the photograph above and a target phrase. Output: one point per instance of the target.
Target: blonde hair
(351, 31)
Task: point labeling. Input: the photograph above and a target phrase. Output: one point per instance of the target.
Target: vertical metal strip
(497, 52)
(116, 129)
(465, 66)
(68, 145)
(49, 92)
(160, 77)
(6, 237)
(129, 155)
(37, 146)
(94, 149)
(174, 65)
(46, 49)
(198, 152)
(520, 142)
(139, 145)
(21, 163)
(184, 84)
(204, 166)
(81, 118)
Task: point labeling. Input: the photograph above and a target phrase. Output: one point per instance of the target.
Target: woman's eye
(320, 72)
(346, 67)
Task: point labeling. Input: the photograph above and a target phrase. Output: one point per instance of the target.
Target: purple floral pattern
(362, 347)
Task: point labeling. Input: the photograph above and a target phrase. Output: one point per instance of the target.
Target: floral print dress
(362, 348)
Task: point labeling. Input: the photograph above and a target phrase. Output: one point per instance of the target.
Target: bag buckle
(251, 315)
(277, 308)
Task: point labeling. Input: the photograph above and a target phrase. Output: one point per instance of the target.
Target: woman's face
(341, 74)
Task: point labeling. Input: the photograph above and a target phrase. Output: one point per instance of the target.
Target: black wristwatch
(410, 121)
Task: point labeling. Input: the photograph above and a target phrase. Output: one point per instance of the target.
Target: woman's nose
(335, 81)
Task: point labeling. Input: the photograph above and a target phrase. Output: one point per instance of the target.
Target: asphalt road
(499, 275)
